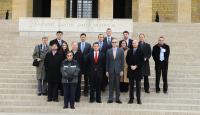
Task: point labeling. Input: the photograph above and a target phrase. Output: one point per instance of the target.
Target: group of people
(104, 63)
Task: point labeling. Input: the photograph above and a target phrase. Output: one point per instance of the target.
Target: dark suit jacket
(77, 56)
(146, 51)
(135, 59)
(59, 46)
(96, 67)
(84, 54)
(108, 45)
(129, 43)
(104, 48)
(52, 65)
(156, 53)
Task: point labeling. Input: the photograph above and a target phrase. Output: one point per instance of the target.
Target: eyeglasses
(69, 55)
(114, 42)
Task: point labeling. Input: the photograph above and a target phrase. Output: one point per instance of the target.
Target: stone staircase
(18, 80)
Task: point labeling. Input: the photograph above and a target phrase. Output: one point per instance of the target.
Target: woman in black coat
(52, 64)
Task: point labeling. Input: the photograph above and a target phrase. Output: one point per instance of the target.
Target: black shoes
(72, 107)
(118, 101)
(110, 101)
(147, 91)
(65, 107)
(98, 101)
(165, 92)
(55, 100)
(91, 100)
(139, 101)
(39, 94)
(157, 91)
(130, 101)
(49, 100)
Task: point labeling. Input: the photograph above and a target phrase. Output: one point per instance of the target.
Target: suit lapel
(92, 56)
(84, 47)
(111, 52)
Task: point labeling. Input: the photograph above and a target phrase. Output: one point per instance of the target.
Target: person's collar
(74, 52)
(126, 38)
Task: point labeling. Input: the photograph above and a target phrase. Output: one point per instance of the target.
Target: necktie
(109, 40)
(82, 47)
(96, 57)
(59, 41)
(100, 45)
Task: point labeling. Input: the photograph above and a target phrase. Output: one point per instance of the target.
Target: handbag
(35, 61)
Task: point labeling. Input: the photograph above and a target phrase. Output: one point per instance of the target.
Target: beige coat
(125, 78)
(40, 71)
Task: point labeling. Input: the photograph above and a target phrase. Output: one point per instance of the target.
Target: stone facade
(181, 11)
(167, 10)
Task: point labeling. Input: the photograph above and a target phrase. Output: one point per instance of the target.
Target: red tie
(96, 58)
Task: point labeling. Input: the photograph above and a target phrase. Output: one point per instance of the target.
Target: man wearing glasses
(114, 69)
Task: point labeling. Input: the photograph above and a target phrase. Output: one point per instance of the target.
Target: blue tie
(100, 45)
(82, 46)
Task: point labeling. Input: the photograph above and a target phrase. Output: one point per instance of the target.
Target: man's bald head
(135, 43)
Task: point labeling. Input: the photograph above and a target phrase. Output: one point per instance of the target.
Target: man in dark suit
(114, 69)
(58, 40)
(127, 39)
(77, 55)
(146, 50)
(134, 60)
(85, 48)
(108, 38)
(52, 65)
(160, 53)
(103, 47)
(59, 43)
(96, 62)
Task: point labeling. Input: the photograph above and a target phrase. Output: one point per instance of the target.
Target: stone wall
(167, 10)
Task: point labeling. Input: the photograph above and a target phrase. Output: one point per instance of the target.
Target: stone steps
(32, 84)
(173, 91)
(110, 109)
(85, 102)
(18, 79)
(22, 79)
